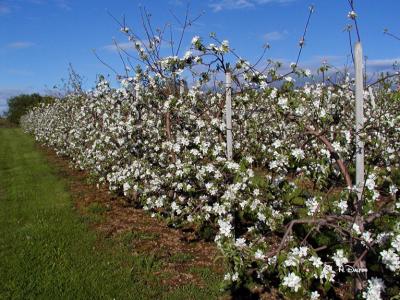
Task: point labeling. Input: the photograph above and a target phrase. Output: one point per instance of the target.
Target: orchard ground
(60, 237)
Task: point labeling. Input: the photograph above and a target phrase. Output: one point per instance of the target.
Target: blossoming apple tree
(283, 209)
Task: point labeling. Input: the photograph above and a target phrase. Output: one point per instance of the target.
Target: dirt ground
(148, 235)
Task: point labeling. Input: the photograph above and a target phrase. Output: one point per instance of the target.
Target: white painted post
(181, 88)
(137, 91)
(228, 113)
(358, 64)
(372, 96)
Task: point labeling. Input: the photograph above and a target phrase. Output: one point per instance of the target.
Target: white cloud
(19, 72)
(125, 46)
(176, 2)
(10, 6)
(20, 45)
(318, 60)
(373, 65)
(383, 64)
(63, 4)
(128, 46)
(275, 35)
(230, 4)
(218, 5)
(270, 1)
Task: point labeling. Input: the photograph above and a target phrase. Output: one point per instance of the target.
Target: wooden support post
(228, 115)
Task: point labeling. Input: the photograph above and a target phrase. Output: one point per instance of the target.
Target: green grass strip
(47, 252)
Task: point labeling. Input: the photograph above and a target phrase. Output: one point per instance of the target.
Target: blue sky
(39, 38)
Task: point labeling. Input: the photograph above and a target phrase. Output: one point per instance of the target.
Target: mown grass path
(47, 252)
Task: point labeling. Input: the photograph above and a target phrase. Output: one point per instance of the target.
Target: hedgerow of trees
(20, 105)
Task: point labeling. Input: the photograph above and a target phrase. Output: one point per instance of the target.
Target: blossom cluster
(166, 152)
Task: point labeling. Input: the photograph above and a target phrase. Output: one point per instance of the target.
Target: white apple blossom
(396, 243)
(339, 258)
(316, 261)
(356, 229)
(312, 206)
(181, 171)
(391, 260)
(240, 243)
(374, 289)
(225, 228)
(343, 206)
(298, 153)
(314, 295)
(292, 281)
(327, 273)
(195, 40)
(352, 15)
(259, 255)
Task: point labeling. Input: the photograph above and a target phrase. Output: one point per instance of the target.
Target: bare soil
(149, 236)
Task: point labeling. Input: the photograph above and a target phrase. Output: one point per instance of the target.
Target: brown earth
(148, 236)
(179, 250)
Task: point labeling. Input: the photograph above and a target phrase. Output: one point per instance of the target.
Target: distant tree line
(19, 105)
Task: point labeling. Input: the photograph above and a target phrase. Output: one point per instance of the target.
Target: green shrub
(19, 105)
